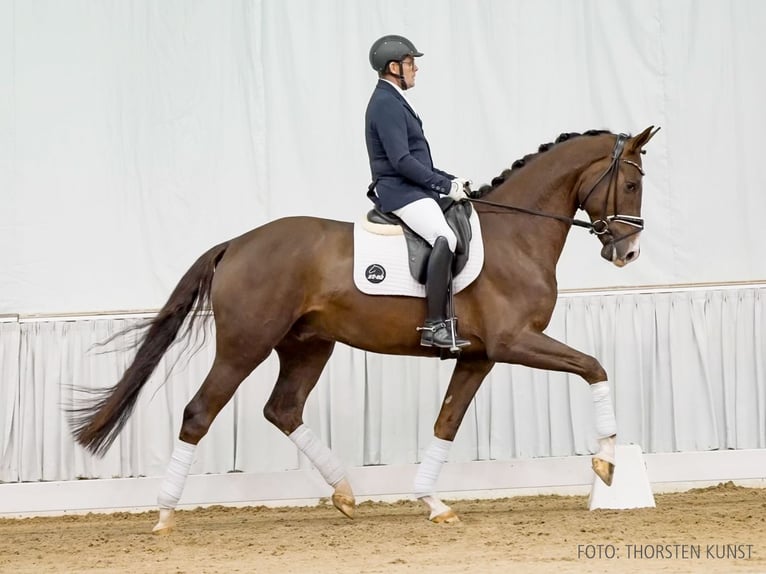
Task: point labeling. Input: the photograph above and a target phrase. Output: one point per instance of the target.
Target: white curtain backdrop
(135, 135)
(9, 399)
(687, 370)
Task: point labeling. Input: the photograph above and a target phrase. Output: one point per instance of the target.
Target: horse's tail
(96, 424)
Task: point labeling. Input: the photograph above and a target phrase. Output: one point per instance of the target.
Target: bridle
(600, 226)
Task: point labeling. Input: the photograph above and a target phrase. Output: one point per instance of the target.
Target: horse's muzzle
(622, 252)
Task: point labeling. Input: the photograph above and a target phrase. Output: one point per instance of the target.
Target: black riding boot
(436, 332)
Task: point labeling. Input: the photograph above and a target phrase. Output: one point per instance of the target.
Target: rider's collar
(398, 89)
(401, 92)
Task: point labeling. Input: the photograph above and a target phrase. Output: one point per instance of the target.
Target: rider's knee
(451, 240)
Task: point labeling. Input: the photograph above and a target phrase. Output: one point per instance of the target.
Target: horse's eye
(631, 186)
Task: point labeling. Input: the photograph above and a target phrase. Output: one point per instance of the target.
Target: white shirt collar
(398, 89)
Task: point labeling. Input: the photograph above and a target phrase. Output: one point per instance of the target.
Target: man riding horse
(405, 181)
(505, 311)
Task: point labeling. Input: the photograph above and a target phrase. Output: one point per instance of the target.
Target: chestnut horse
(525, 216)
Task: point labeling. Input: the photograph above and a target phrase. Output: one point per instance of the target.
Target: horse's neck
(550, 193)
(546, 185)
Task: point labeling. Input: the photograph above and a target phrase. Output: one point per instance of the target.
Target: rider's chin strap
(402, 83)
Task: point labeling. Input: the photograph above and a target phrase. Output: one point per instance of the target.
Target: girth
(457, 215)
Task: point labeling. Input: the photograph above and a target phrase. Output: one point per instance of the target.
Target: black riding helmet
(391, 48)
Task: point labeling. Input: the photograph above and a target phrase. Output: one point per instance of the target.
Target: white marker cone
(630, 487)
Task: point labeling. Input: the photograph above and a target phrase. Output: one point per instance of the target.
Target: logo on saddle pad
(375, 273)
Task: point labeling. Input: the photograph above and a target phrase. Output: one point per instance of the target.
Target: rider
(404, 180)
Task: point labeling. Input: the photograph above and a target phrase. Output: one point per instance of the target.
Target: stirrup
(457, 342)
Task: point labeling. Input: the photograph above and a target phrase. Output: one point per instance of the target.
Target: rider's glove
(458, 189)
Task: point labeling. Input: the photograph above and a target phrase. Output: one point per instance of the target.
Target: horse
(525, 214)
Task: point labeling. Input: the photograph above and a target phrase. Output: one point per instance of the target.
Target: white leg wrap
(606, 449)
(435, 505)
(606, 425)
(430, 467)
(178, 470)
(320, 456)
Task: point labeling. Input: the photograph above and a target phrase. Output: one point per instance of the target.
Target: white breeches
(425, 218)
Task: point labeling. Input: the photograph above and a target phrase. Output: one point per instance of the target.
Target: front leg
(539, 351)
(466, 380)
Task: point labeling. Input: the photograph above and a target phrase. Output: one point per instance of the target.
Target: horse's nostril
(630, 256)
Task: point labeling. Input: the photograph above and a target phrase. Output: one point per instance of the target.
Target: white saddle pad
(381, 266)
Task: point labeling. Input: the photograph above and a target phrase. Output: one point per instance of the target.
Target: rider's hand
(464, 182)
(458, 189)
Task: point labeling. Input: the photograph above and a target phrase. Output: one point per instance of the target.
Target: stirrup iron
(452, 321)
(456, 342)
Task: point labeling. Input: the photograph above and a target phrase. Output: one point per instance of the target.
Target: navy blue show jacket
(400, 158)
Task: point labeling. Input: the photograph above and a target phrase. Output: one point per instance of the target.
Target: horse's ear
(637, 142)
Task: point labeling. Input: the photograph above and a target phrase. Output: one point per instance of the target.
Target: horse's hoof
(446, 517)
(166, 523)
(345, 503)
(603, 469)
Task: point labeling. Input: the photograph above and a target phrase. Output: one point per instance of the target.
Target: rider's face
(408, 69)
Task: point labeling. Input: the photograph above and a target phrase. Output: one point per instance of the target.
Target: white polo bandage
(606, 425)
(430, 467)
(178, 469)
(320, 456)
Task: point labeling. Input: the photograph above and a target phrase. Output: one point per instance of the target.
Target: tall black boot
(435, 332)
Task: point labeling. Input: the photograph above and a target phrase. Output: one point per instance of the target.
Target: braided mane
(519, 163)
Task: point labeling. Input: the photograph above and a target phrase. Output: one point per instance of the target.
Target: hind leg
(301, 363)
(219, 386)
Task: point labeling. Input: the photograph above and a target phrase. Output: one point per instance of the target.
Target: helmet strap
(402, 83)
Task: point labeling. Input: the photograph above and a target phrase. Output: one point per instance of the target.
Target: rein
(600, 226)
(568, 220)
